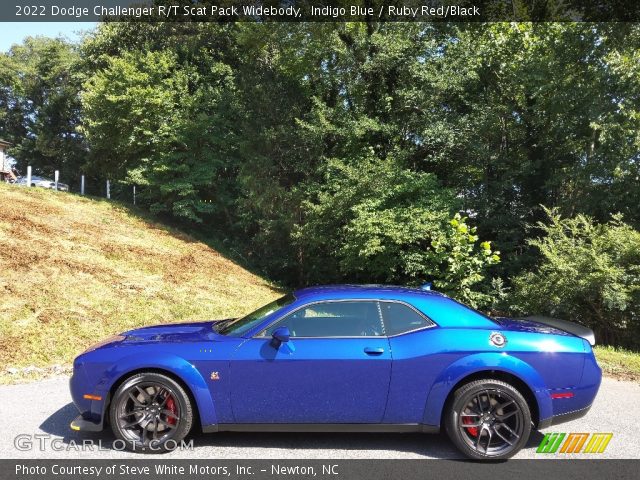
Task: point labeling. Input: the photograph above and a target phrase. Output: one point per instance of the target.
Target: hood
(553, 326)
(173, 332)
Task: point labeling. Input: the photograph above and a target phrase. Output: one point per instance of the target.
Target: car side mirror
(281, 335)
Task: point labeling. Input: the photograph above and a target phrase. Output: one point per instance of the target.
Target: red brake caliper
(473, 431)
(171, 406)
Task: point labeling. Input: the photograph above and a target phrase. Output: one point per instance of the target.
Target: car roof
(348, 291)
(444, 311)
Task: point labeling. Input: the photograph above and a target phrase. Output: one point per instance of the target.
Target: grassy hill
(74, 270)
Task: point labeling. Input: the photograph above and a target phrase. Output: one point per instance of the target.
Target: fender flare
(173, 364)
(479, 362)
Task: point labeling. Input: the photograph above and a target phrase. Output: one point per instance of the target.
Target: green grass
(618, 363)
(74, 270)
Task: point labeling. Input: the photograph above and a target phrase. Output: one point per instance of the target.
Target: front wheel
(151, 413)
(488, 420)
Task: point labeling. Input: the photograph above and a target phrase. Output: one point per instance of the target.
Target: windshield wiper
(219, 325)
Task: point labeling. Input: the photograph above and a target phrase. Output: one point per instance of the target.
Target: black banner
(319, 10)
(317, 469)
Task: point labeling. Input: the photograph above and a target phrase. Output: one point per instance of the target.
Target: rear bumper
(564, 417)
(578, 400)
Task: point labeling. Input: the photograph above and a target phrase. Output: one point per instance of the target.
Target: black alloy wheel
(488, 420)
(151, 413)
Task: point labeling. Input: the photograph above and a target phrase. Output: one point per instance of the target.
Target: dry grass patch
(74, 270)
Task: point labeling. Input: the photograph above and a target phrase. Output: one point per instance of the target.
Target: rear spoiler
(570, 327)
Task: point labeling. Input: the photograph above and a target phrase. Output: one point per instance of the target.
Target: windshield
(238, 326)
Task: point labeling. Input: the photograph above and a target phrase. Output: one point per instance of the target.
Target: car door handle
(373, 351)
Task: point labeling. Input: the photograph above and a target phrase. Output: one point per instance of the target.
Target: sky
(15, 32)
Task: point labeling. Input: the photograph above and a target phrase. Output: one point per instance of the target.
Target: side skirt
(323, 427)
(563, 417)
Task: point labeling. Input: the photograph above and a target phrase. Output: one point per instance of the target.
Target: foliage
(374, 221)
(130, 108)
(161, 123)
(271, 136)
(589, 273)
(39, 106)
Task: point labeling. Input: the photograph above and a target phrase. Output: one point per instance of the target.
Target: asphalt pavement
(35, 424)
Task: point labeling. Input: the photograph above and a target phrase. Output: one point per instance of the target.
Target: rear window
(399, 318)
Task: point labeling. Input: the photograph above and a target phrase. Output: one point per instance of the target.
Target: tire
(488, 420)
(150, 413)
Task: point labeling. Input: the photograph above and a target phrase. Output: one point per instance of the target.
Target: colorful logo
(574, 443)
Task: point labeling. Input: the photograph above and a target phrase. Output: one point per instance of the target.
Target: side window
(399, 318)
(333, 319)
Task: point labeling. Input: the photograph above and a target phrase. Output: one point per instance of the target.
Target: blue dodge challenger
(342, 358)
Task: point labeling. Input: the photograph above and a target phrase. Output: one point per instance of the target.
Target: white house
(5, 166)
(4, 162)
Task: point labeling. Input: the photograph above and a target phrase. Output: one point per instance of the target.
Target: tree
(246, 129)
(513, 116)
(590, 273)
(373, 221)
(39, 101)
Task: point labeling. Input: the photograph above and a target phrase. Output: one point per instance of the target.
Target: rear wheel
(488, 420)
(151, 413)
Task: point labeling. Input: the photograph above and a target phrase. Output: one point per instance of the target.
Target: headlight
(106, 341)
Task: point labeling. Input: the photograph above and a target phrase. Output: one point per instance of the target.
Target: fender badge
(497, 339)
(215, 376)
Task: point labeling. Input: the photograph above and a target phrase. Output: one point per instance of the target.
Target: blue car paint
(160, 348)
(273, 385)
(333, 380)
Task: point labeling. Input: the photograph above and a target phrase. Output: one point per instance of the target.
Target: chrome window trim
(431, 323)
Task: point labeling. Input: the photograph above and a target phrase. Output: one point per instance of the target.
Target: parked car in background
(43, 182)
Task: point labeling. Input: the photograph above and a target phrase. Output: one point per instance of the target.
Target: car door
(418, 358)
(335, 368)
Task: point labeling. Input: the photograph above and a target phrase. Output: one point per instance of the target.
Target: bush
(375, 222)
(590, 274)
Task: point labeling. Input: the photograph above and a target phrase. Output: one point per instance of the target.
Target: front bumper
(91, 416)
(80, 424)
